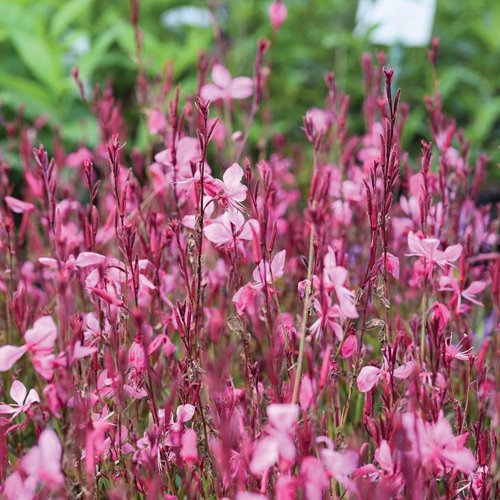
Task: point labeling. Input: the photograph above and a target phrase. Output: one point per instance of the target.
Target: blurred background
(41, 41)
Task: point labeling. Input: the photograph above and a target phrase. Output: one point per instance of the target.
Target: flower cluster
(201, 319)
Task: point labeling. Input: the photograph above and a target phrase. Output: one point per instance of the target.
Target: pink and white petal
(218, 234)
(33, 397)
(9, 355)
(452, 253)
(232, 176)
(286, 447)
(8, 409)
(210, 92)
(43, 334)
(51, 451)
(265, 455)
(241, 87)
(368, 377)
(18, 206)
(383, 456)
(185, 413)
(405, 370)
(278, 264)
(221, 76)
(18, 392)
(86, 259)
(283, 416)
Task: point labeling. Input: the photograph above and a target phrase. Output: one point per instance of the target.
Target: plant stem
(422, 327)
(304, 317)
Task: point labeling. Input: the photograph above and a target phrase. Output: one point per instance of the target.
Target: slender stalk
(422, 326)
(305, 315)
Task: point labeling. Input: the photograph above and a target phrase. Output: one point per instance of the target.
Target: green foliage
(41, 41)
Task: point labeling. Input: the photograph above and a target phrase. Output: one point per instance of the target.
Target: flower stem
(422, 327)
(304, 317)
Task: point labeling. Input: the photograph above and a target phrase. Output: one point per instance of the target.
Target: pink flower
(384, 457)
(225, 87)
(136, 355)
(19, 206)
(475, 288)
(435, 446)
(189, 450)
(326, 317)
(278, 443)
(42, 463)
(226, 230)
(350, 346)
(263, 273)
(23, 399)
(177, 426)
(307, 392)
(314, 477)
(157, 123)
(234, 192)
(368, 377)
(338, 465)
(455, 352)
(392, 265)
(87, 259)
(247, 299)
(39, 341)
(277, 13)
(77, 158)
(334, 277)
(428, 249)
(321, 120)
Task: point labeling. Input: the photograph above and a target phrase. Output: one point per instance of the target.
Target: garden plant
(214, 315)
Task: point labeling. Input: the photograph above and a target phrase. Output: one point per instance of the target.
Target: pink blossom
(314, 477)
(368, 377)
(350, 346)
(277, 13)
(225, 87)
(278, 442)
(392, 265)
(475, 288)
(19, 206)
(77, 158)
(157, 123)
(189, 450)
(428, 248)
(320, 119)
(307, 392)
(435, 446)
(328, 317)
(86, 259)
(265, 273)
(247, 299)
(226, 231)
(39, 341)
(42, 463)
(177, 428)
(233, 193)
(455, 351)
(334, 277)
(338, 465)
(383, 457)
(22, 398)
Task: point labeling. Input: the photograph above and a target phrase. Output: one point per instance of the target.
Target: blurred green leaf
(66, 14)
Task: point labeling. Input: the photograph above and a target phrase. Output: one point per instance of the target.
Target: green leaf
(67, 14)
(42, 59)
(17, 90)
